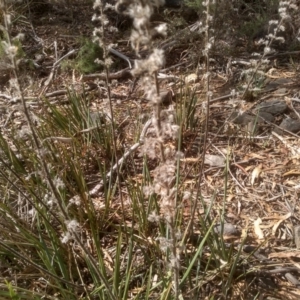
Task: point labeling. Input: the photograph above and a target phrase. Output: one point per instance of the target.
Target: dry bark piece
(257, 230)
(256, 173)
(292, 279)
(297, 236)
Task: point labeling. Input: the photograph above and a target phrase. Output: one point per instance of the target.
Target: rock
(240, 119)
(214, 160)
(166, 97)
(267, 29)
(173, 3)
(121, 6)
(266, 116)
(277, 84)
(258, 121)
(274, 107)
(97, 118)
(251, 123)
(228, 230)
(288, 124)
(5, 68)
(4, 78)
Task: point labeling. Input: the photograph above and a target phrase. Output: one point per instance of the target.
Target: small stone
(214, 160)
(192, 78)
(97, 117)
(282, 91)
(166, 97)
(173, 3)
(266, 116)
(259, 120)
(278, 85)
(288, 124)
(274, 107)
(241, 119)
(228, 230)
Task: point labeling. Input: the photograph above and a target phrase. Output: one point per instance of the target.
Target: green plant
(86, 57)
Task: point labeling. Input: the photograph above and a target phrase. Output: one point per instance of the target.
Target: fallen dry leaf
(284, 254)
(254, 155)
(192, 78)
(214, 160)
(255, 173)
(230, 197)
(291, 172)
(190, 159)
(292, 183)
(279, 222)
(257, 229)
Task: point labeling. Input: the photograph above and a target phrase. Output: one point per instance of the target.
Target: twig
(50, 77)
(291, 106)
(294, 151)
(122, 56)
(189, 226)
(8, 117)
(50, 95)
(59, 139)
(181, 35)
(100, 185)
(117, 75)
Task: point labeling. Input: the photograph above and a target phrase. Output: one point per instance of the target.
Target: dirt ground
(263, 188)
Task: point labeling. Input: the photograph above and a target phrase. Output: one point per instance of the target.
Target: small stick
(100, 185)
